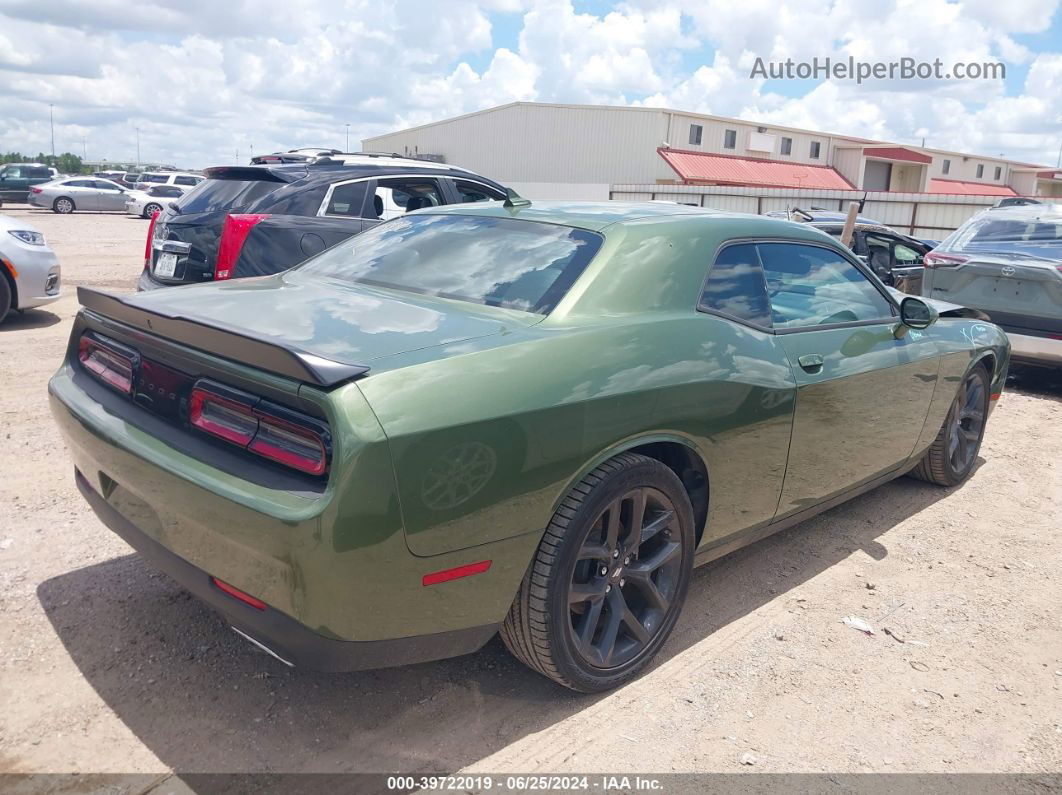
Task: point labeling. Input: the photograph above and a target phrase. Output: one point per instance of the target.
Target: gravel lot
(106, 666)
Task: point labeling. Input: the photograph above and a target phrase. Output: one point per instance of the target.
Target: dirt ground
(107, 666)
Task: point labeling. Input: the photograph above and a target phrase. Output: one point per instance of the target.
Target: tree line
(66, 163)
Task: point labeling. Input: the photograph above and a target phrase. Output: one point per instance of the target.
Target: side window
(346, 200)
(38, 173)
(397, 196)
(102, 184)
(812, 286)
(12, 172)
(905, 255)
(735, 286)
(879, 254)
(474, 192)
(185, 181)
(81, 183)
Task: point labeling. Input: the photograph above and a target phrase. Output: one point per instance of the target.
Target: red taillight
(934, 259)
(220, 416)
(150, 238)
(236, 593)
(270, 431)
(237, 227)
(111, 363)
(36, 190)
(457, 573)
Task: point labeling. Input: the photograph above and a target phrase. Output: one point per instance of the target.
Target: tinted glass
(989, 233)
(81, 183)
(159, 178)
(185, 181)
(36, 173)
(215, 195)
(103, 184)
(811, 285)
(474, 192)
(735, 286)
(347, 199)
(495, 261)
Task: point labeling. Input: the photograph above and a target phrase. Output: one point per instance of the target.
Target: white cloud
(202, 79)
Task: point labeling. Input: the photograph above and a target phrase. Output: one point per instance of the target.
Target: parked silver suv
(1007, 262)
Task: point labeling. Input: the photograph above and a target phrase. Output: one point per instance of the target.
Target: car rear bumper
(278, 634)
(1027, 348)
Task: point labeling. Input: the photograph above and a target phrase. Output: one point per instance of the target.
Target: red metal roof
(968, 188)
(703, 168)
(896, 153)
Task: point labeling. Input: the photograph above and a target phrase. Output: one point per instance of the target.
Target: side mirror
(916, 313)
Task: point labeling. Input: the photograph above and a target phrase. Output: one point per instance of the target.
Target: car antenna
(514, 201)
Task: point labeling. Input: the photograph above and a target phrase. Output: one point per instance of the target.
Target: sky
(208, 82)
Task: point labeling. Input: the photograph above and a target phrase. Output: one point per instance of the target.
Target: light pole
(348, 139)
(51, 124)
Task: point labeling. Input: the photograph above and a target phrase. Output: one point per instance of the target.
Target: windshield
(1029, 236)
(495, 261)
(229, 195)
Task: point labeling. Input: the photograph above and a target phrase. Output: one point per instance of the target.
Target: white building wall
(849, 163)
(713, 139)
(544, 144)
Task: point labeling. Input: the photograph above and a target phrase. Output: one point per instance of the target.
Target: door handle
(811, 362)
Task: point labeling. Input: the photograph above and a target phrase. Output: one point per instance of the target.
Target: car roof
(1026, 212)
(336, 170)
(595, 216)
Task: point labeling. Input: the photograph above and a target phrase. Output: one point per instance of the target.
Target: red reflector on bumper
(236, 593)
(446, 575)
(995, 396)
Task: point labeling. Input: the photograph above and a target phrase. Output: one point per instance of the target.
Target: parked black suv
(257, 220)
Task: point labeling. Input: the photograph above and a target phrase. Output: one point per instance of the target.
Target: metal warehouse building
(528, 143)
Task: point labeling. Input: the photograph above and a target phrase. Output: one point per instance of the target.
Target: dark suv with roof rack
(262, 219)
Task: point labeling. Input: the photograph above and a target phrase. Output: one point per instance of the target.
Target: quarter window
(735, 286)
(813, 285)
(730, 139)
(346, 200)
(696, 131)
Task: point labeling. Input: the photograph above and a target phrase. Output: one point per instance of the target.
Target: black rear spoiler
(265, 172)
(220, 340)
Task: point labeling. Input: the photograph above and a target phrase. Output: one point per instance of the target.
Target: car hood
(336, 320)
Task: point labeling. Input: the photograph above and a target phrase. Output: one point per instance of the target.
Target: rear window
(158, 178)
(986, 233)
(215, 195)
(495, 261)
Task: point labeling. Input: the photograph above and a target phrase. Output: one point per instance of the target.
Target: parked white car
(145, 203)
(182, 178)
(29, 270)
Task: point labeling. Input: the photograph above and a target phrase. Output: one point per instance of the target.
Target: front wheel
(151, 209)
(950, 459)
(609, 578)
(63, 205)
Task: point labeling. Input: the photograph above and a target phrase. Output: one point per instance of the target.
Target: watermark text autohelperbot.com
(901, 69)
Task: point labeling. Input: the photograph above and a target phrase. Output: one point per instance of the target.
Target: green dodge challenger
(532, 419)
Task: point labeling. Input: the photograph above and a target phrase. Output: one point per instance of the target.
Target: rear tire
(609, 578)
(5, 298)
(63, 205)
(151, 209)
(951, 457)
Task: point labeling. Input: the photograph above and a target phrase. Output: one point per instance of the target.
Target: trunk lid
(1020, 291)
(330, 320)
